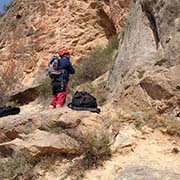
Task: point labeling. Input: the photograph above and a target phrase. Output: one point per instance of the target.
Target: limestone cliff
(146, 72)
(114, 144)
(32, 31)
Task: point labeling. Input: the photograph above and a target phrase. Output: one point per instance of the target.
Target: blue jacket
(65, 64)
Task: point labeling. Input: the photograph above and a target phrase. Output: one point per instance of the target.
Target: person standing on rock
(59, 69)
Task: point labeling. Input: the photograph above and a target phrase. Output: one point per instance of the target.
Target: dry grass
(153, 120)
(96, 149)
(45, 88)
(91, 66)
(95, 63)
(99, 92)
(7, 81)
(172, 126)
(16, 167)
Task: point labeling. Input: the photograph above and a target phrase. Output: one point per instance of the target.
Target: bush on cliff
(95, 63)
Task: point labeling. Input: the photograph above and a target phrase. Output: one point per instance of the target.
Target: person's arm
(71, 68)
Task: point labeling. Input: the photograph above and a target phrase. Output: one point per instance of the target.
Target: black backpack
(84, 101)
(8, 110)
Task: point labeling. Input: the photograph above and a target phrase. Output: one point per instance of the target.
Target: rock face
(80, 122)
(146, 70)
(119, 11)
(125, 138)
(42, 142)
(145, 172)
(53, 131)
(31, 32)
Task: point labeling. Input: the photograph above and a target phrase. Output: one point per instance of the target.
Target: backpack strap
(95, 110)
(69, 105)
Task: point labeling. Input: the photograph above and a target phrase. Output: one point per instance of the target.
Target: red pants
(59, 98)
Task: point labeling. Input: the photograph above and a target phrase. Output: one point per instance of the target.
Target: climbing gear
(58, 85)
(53, 67)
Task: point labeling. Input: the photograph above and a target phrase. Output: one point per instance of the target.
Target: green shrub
(97, 149)
(52, 34)
(55, 129)
(45, 88)
(153, 120)
(173, 126)
(8, 79)
(15, 167)
(95, 63)
(100, 91)
(3, 96)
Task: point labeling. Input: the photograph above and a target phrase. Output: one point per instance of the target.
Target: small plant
(172, 126)
(15, 167)
(97, 149)
(8, 80)
(138, 124)
(141, 73)
(13, 25)
(101, 93)
(154, 121)
(52, 34)
(45, 88)
(55, 130)
(48, 160)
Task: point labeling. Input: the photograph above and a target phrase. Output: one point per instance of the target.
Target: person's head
(64, 53)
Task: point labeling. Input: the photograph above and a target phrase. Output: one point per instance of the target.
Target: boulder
(125, 138)
(132, 172)
(42, 142)
(81, 122)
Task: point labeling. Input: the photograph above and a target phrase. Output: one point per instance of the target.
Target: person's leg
(51, 106)
(61, 98)
(54, 96)
(53, 102)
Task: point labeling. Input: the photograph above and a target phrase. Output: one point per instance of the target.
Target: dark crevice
(155, 90)
(106, 23)
(152, 22)
(107, 2)
(26, 96)
(18, 16)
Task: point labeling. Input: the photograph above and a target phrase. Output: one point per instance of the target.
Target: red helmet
(63, 51)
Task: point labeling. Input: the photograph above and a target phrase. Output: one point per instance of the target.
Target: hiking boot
(51, 107)
(58, 106)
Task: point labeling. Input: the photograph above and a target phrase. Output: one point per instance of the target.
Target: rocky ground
(153, 158)
(135, 153)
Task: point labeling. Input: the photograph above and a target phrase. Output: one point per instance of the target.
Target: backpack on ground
(84, 101)
(53, 67)
(8, 110)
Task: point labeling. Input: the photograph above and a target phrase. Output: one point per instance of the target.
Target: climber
(59, 69)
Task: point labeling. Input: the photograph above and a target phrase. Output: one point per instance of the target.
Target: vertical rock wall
(146, 72)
